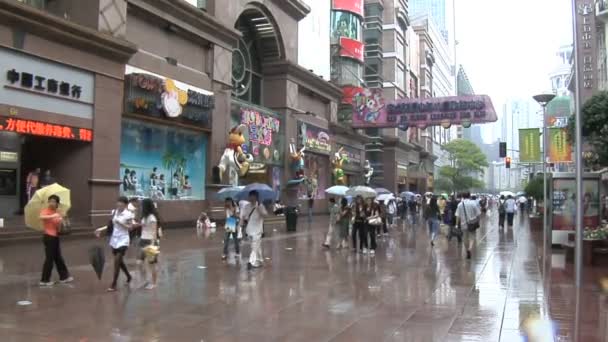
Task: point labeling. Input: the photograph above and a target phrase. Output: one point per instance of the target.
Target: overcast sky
(508, 47)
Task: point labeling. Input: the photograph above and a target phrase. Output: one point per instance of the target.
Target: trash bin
(291, 218)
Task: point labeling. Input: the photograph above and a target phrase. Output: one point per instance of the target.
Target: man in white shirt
(510, 207)
(467, 212)
(252, 218)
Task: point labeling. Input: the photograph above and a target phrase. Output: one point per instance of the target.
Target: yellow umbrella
(40, 200)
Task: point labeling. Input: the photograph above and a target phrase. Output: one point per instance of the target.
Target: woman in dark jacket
(360, 221)
(431, 215)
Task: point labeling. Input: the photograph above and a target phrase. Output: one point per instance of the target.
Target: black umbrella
(97, 259)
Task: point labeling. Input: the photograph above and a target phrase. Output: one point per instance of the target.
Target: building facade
(154, 89)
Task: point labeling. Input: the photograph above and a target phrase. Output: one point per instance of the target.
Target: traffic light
(508, 162)
(502, 149)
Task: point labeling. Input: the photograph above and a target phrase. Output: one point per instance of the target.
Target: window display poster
(276, 181)
(564, 203)
(162, 162)
(317, 173)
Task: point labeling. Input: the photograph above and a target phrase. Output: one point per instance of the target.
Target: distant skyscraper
(436, 9)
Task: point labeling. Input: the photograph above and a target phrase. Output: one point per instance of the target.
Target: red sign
(349, 92)
(370, 110)
(45, 129)
(353, 6)
(351, 48)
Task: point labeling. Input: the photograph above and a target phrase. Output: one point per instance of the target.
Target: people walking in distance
(501, 211)
(51, 222)
(311, 205)
(372, 212)
(359, 224)
(450, 219)
(522, 204)
(391, 213)
(332, 231)
(412, 208)
(442, 203)
(150, 235)
(252, 219)
(510, 208)
(344, 218)
(382, 207)
(467, 215)
(231, 227)
(432, 215)
(122, 222)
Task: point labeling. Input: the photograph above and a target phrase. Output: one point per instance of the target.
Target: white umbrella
(382, 191)
(363, 191)
(507, 193)
(385, 198)
(337, 190)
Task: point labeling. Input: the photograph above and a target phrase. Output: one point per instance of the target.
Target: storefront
(264, 141)
(165, 133)
(317, 167)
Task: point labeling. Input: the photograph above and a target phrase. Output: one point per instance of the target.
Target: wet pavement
(409, 291)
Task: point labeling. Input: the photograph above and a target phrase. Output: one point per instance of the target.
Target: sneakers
(67, 280)
(372, 252)
(150, 287)
(46, 284)
(364, 251)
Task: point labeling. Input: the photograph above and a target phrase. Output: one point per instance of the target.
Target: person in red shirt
(51, 221)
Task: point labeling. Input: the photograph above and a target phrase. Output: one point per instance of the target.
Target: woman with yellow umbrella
(51, 222)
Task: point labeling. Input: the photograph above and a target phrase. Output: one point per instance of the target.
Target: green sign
(529, 145)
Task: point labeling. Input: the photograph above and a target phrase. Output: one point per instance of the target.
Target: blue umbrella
(407, 194)
(266, 193)
(229, 192)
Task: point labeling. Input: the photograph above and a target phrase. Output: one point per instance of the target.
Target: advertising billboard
(353, 6)
(352, 49)
(370, 110)
(529, 145)
(564, 203)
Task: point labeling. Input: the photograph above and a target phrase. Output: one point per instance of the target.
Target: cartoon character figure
(337, 161)
(297, 157)
(369, 105)
(368, 172)
(234, 160)
(173, 99)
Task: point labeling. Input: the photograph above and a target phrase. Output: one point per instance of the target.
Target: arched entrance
(261, 43)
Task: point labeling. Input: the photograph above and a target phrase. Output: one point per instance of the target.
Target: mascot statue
(368, 172)
(297, 157)
(338, 160)
(234, 160)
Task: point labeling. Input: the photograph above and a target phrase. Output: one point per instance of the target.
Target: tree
(467, 163)
(534, 188)
(594, 125)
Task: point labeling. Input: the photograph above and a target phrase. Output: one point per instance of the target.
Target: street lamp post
(543, 100)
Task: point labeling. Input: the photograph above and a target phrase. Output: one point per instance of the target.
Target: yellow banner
(560, 149)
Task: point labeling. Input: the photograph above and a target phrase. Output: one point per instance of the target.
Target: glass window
(162, 162)
(345, 24)
(35, 3)
(347, 72)
(317, 171)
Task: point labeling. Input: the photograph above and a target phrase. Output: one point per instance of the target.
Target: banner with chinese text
(560, 149)
(529, 145)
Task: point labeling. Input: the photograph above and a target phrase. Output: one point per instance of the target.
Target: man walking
(510, 207)
(252, 218)
(467, 216)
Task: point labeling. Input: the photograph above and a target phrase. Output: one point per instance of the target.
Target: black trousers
(370, 231)
(52, 253)
(501, 220)
(358, 228)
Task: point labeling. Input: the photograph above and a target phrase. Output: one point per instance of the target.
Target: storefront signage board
(314, 138)
(353, 6)
(43, 129)
(352, 48)
(370, 110)
(31, 82)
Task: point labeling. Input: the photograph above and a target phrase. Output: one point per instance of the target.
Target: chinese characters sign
(314, 138)
(586, 47)
(529, 145)
(560, 149)
(50, 86)
(38, 128)
(371, 111)
(351, 48)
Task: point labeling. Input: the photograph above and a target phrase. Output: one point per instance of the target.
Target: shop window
(41, 4)
(317, 171)
(345, 24)
(162, 162)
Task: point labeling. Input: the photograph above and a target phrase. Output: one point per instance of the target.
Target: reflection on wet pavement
(407, 292)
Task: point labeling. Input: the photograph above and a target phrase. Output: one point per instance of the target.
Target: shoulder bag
(472, 225)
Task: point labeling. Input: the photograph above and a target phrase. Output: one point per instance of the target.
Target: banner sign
(352, 48)
(314, 138)
(44, 129)
(586, 38)
(371, 111)
(529, 145)
(560, 149)
(353, 6)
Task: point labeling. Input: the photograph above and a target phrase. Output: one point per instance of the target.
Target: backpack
(501, 207)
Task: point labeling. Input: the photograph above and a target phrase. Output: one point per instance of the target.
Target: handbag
(374, 221)
(472, 225)
(66, 227)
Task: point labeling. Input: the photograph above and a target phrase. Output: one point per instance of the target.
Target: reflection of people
(232, 214)
(175, 183)
(186, 187)
(32, 183)
(162, 184)
(153, 178)
(51, 221)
